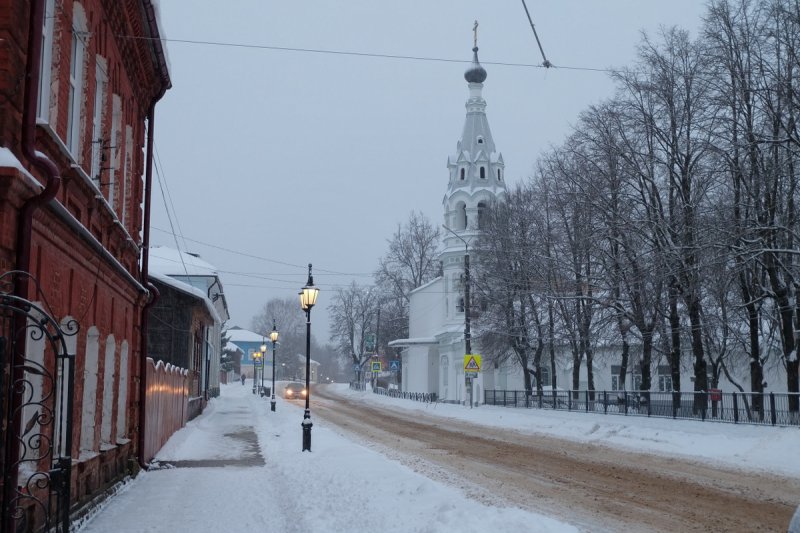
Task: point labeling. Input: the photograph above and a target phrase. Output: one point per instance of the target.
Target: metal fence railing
(427, 397)
(773, 408)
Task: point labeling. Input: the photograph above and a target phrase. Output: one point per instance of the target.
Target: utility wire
(169, 217)
(545, 63)
(245, 254)
(169, 195)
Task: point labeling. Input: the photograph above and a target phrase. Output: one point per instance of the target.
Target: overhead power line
(546, 63)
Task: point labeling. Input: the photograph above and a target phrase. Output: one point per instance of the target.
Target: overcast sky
(276, 158)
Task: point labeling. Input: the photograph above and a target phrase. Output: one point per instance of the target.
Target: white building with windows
(433, 355)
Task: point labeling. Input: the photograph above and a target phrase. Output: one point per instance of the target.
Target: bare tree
(353, 312)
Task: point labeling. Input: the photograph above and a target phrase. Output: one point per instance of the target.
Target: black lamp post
(263, 362)
(256, 359)
(308, 297)
(273, 336)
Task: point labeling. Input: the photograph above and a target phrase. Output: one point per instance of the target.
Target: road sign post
(472, 366)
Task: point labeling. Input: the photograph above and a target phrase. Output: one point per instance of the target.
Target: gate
(36, 391)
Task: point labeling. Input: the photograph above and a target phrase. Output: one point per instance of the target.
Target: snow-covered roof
(232, 346)
(416, 341)
(244, 335)
(426, 285)
(172, 262)
(187, 289)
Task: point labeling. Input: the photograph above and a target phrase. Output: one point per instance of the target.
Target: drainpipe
(38, 159)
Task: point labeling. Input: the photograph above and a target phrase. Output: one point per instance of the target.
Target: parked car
(294, 391)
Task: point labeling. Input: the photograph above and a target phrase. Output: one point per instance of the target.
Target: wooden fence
(166, 404)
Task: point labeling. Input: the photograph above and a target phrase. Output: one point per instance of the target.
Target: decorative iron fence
(427, 397)
(732, 407)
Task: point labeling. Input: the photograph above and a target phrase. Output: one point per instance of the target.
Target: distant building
(250, 342)
(187, 319)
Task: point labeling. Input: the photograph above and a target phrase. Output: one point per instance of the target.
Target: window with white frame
(98, 143)
(77, 58)
(114, 146)
(664, 383)
(46, 70)
(126, 173)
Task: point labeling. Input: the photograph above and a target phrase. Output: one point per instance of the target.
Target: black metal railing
(427, 397)
(746, 408)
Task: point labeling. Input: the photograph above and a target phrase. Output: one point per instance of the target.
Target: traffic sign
(394, 365)
(376, 366)
(472, 363)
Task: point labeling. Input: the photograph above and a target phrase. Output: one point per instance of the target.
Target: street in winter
(399, 266)
(239, 467)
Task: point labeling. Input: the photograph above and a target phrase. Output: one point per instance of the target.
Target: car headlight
(304, 392)
(289, 392)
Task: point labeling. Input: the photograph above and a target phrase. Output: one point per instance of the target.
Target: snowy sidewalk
(239, 467)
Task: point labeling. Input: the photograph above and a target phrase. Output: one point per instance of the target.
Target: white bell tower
(476, 181)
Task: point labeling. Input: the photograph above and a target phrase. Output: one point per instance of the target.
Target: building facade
(185, 326)
(79, 81)
(433, 355)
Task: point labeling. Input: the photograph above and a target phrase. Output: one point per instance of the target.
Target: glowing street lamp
(308, 297)
(273, 336)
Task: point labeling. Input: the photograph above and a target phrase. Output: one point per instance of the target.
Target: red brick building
(79, 81)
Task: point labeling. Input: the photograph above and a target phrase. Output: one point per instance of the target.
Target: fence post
(586, 399)
(625, 402)
(569, 402)
(605, 402)
(772, 407)
(735, 409)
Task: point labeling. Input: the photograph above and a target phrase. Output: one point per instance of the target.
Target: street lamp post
(273, 336)
(256, 359)
(263, 362)
(308, 297)
(467, 332)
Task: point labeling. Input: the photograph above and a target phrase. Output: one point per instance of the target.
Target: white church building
(433, 355)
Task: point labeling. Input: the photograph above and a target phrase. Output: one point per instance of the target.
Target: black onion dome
(475, 73)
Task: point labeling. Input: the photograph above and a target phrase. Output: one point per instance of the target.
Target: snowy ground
(268, 484)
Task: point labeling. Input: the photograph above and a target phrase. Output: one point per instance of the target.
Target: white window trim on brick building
(46, 70)
(75, 100)
(98, 143)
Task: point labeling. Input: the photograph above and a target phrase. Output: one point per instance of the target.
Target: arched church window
(498, 175)
(460, 305)
(462, 173)
(461, 216)
(482, 212)
(480, 140)
(483, 173)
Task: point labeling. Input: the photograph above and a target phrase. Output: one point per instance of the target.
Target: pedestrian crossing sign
(472, 363)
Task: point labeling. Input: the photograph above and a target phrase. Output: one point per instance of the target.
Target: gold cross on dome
(475, 34)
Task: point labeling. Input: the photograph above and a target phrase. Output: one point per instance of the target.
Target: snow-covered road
(229, 482)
